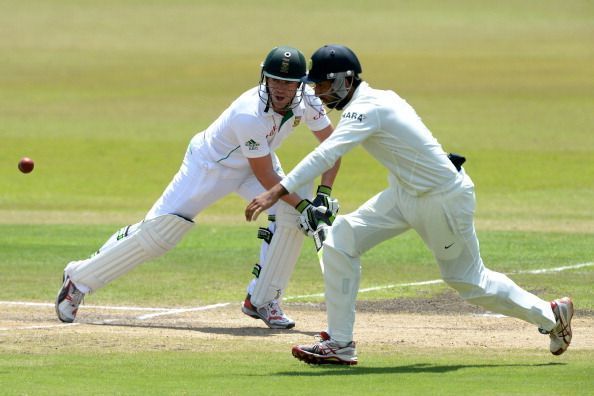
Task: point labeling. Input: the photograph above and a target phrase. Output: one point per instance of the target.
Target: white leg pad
(281, 257)
(148, 240)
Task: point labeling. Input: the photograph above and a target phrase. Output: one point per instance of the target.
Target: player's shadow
(231, 331)
(416, 368)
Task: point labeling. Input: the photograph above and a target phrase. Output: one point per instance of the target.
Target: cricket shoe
(271, 314)
(561, 333)
(327, 351)
(68, 300)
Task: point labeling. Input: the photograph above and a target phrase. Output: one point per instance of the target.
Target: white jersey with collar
(247, 129)
(392, 132)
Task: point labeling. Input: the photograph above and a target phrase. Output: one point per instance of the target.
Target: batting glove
(324, 199)
(311, 216)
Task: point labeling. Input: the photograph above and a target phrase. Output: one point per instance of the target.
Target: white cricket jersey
(392, 132)
(247, 129)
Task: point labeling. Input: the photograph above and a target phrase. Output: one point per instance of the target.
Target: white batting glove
(324, 199)
(311, 217)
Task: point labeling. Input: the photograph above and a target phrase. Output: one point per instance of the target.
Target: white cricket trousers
(445, 223)
(200, 182)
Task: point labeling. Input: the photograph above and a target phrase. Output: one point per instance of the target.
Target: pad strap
(265, 234)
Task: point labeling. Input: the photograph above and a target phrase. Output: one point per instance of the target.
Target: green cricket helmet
(283, 63)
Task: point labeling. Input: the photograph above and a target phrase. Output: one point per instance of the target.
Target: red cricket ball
(26, 165)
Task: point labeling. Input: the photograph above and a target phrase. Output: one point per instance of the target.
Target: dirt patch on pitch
(440, 323)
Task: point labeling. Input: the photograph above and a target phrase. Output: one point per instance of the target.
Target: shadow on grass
(231, 331)
(326, 370)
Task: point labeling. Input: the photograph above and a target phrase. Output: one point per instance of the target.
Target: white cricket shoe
(327, 351)
(271, 314)
(561, 334)
(68, 300)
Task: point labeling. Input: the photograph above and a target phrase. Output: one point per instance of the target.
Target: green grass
(105, 95)
(252, 371)
(208, 268)
(91, 96)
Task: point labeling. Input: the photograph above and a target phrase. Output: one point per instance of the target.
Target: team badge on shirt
(296, 121)
(252, 145)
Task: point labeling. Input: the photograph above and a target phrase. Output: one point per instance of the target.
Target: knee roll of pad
(286, 215)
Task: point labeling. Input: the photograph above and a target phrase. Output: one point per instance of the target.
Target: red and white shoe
(327, 351)
(271, 313)
(68, 301)
(561, 334)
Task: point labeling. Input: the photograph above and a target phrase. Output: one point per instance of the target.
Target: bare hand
(259, 204)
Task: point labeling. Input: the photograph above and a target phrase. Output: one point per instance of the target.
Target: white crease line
(182, 310)
(160, 311)
(368, 289)
(168, 311)
(116, 308)
(38, 327)
(431, 282)
(437, 281)
(558, 269)
(489, 315)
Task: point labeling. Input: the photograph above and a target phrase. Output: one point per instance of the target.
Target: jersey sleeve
(356, 125)
(315, 114)
(251, 136)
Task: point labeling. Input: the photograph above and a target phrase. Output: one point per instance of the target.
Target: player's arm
(264, 172)
(321, 160)
(328, 176)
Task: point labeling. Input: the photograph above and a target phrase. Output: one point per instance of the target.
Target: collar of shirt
(359, 91)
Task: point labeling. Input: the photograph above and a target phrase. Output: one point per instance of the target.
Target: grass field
(105, 95)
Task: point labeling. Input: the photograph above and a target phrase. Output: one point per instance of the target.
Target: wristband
(302, 205)
(322, 189)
